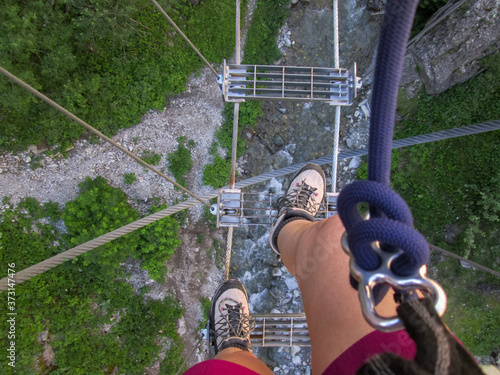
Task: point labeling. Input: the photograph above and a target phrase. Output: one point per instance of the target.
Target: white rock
(291, 283)
(296, 293)
(296, 360)
(182, 326)
(276, 272)
(355, 162)
(294, 350)
(366, 110)
(287, 40)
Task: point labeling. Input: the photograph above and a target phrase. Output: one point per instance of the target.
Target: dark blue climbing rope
(391, 222)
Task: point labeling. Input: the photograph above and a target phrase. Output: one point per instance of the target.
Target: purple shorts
(347, 363)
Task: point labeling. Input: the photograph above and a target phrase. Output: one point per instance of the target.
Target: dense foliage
(107, 61)
(453, 186)
(83, 309)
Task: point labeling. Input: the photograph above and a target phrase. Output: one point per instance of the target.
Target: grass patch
(180, 161)
(150, 157)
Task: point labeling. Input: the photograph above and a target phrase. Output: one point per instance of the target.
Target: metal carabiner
(384, 275)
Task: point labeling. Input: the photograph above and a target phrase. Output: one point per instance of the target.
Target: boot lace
(234, 323)
(302, 197)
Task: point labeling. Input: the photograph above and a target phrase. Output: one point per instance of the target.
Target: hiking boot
(301, 202)
(230, 318)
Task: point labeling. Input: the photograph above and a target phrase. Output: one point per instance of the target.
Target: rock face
(448, 53)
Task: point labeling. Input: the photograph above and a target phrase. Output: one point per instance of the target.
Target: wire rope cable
(41, 267)
(227, 258)
(462, 259)
(184, 36)
(451, 9)
(232, 180)
(58, 259)
(336, 132)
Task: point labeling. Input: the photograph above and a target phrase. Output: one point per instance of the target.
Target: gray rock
(448, 53)
(278, 141)
(293, 2)
(291, 283)
(375, 5)
(466, 265)
(349, 142)
(276, 272)
(282, 110)
(451, 232)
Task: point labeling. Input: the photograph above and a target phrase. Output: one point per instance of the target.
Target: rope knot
(391, 224)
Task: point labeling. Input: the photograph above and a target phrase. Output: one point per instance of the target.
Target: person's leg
(244, 358)
(312, 252)
(229, 316)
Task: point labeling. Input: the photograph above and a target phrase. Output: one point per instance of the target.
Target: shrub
(158, 241)
(180, 161)
(129, 178)
(74, 301)
(217, 175)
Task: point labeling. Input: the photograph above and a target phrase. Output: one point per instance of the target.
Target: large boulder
(448, 53)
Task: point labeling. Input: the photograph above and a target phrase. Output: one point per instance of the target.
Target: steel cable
(184, 36)
(336, 132)
(232, 180)
(462, 259)
(39, 268)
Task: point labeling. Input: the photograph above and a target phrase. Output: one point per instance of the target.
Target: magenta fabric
(346, 364)
(374, 343)
(218, 367)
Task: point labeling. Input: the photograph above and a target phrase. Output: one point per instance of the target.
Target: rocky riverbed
(290, 133)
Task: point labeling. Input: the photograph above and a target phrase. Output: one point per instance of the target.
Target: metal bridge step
(336, 86)
(275, 330)
(235, 208)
